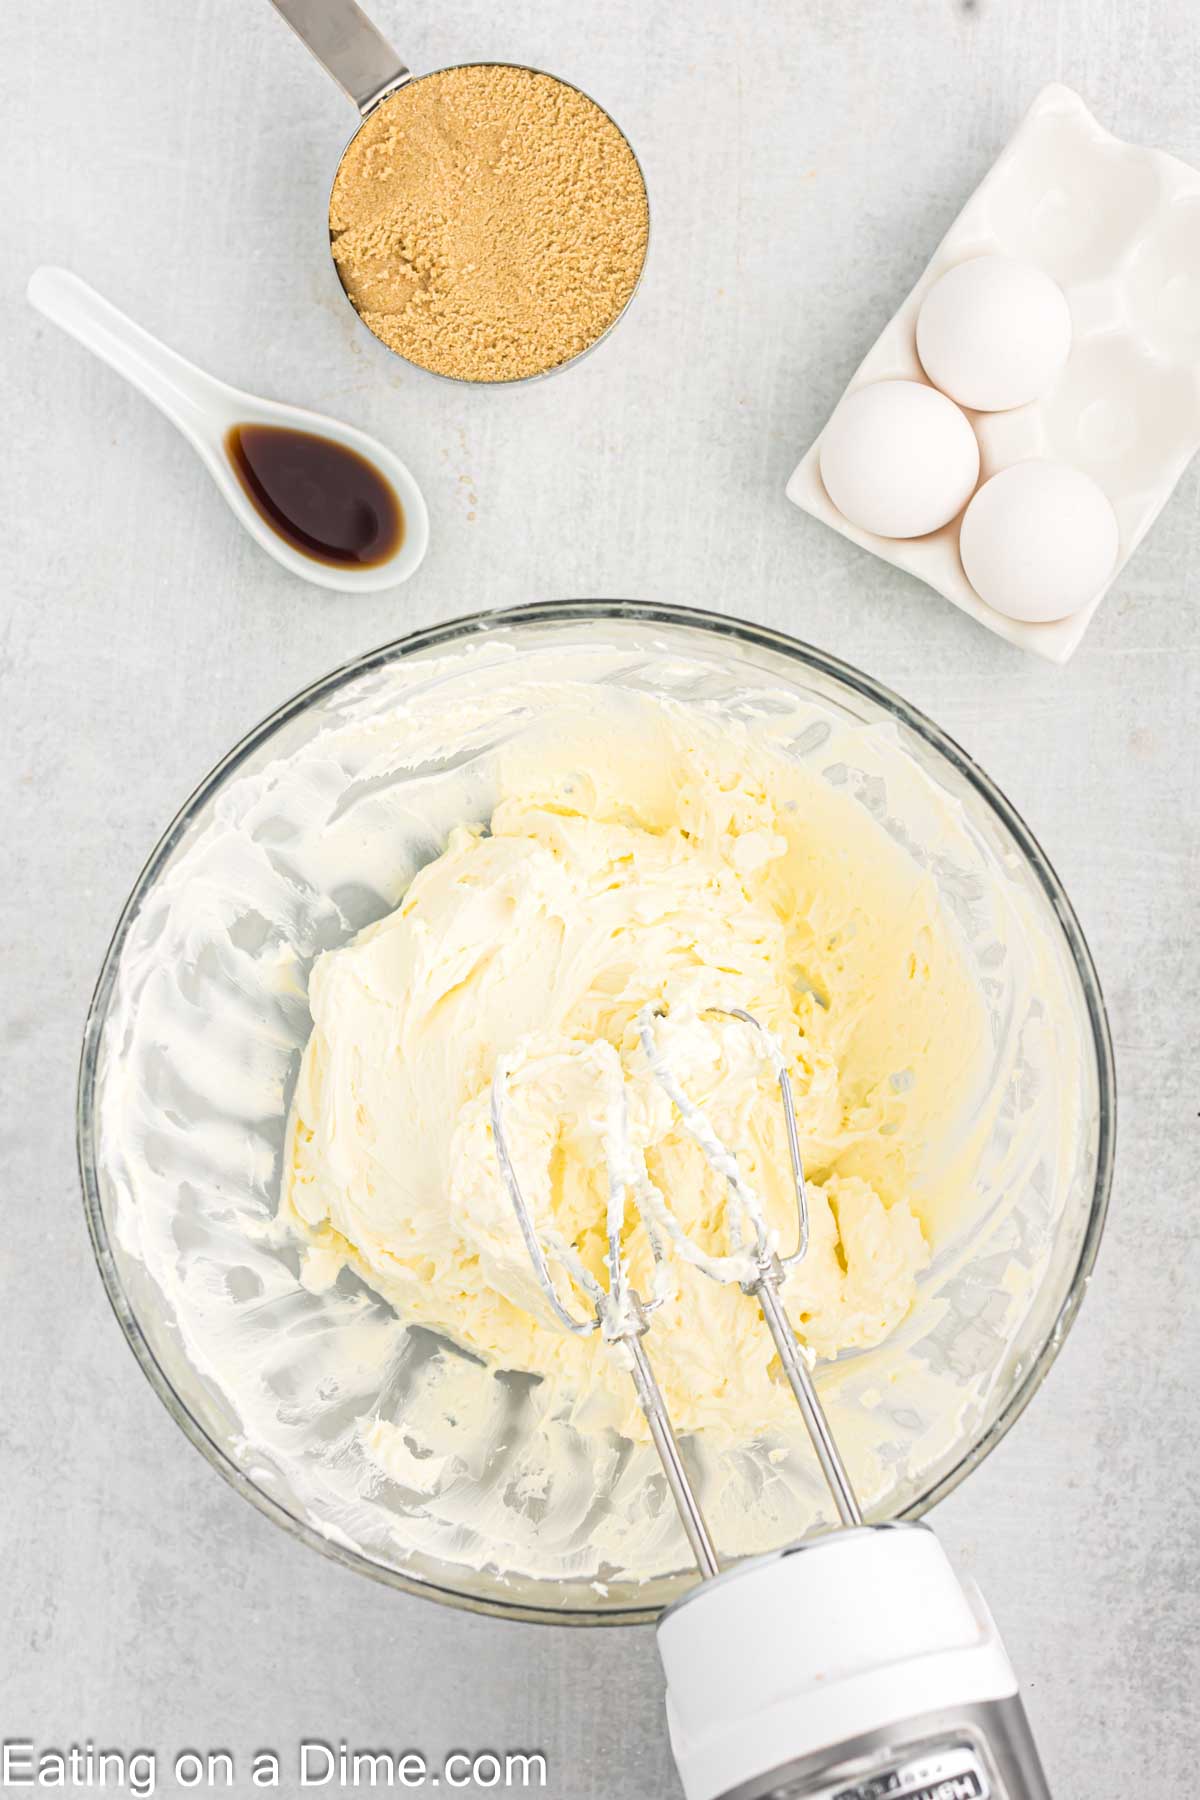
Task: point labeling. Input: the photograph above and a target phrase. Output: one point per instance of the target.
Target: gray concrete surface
(802, 162)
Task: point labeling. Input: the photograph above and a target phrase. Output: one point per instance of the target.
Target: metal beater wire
(766, 1281)
(620, 1313)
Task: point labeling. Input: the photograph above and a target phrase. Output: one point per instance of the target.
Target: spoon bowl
(206, 409)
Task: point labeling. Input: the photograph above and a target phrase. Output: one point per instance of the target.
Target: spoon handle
(348, 47)
(183, 392)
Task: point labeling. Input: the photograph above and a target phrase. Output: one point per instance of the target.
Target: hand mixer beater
(854, 1665)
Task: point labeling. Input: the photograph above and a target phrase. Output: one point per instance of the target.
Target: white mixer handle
(854, 1667)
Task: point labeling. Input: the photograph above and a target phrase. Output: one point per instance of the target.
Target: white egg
(993, 333)
(899, 459)
(1038, 541)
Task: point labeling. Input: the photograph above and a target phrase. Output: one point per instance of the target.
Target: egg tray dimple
(1118, 227)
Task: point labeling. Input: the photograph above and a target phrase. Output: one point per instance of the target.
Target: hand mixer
(852, 1666)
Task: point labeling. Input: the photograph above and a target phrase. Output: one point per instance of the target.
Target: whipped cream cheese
(688, 867)
(337, 1323)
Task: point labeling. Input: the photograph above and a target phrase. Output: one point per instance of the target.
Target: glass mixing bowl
(191, 1050)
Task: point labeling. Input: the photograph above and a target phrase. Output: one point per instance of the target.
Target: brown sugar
(489, 222)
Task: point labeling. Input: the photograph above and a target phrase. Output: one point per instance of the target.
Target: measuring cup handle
(348, 46)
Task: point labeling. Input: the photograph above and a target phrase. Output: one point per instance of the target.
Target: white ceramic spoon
(204, 409)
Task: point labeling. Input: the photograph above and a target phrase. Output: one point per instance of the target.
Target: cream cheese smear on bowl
(507, 844)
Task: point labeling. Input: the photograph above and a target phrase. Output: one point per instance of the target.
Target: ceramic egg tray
(1118, 227)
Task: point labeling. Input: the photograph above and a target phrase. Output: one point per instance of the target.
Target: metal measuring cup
(355, 53)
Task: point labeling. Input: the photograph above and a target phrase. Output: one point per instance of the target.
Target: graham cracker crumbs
(488, 222)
